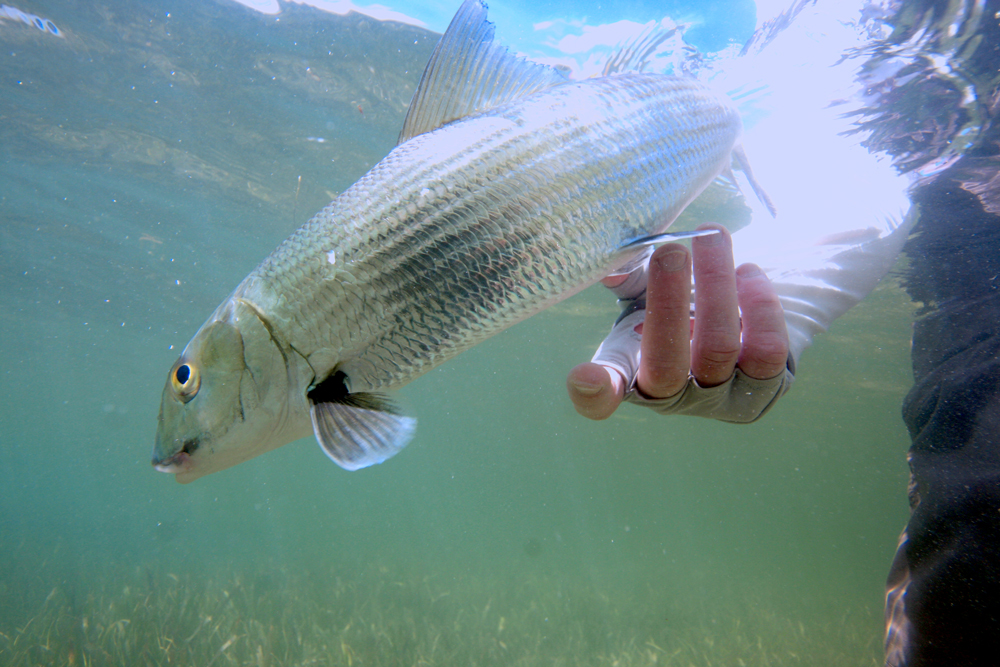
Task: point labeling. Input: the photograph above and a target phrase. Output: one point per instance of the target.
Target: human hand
(708, 348)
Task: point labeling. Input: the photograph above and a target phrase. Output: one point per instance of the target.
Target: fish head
(225, 399)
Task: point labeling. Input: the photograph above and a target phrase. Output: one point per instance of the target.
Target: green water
(147, 164)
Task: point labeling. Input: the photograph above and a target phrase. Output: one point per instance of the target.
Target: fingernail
(748, 271)
(674, 260)
(710, 240)
(586, 388)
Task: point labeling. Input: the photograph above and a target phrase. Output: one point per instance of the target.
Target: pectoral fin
(357, 430)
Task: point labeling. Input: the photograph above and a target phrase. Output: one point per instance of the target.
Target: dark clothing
(943, 605)
(943, 599)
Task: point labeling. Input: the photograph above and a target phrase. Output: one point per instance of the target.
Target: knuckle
(715, 275)
(717, 357)
(660, 381)
(717, 347)
(768, 350)
(764, 300)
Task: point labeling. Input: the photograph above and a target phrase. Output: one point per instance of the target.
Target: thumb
(596, 391)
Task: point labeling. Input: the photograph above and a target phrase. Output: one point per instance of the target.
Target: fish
(512, 187)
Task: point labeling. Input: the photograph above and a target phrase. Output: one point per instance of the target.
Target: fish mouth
(178, 463)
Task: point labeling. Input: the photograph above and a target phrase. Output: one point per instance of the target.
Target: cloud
(608, 35)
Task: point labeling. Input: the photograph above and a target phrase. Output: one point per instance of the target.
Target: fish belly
(463, 231)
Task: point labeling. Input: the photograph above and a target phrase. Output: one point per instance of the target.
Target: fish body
(491, 208)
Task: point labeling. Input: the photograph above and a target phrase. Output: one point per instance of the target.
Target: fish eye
(185, 381)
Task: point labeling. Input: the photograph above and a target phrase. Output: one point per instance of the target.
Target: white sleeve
(820, 282)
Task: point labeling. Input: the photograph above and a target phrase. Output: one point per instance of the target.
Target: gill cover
(201, 399)
(226, 398)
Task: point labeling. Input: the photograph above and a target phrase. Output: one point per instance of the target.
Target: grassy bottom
(392, 616)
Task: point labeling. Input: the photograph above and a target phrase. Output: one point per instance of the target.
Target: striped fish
(511, 189)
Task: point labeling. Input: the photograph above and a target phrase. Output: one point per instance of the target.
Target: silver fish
(511, 189)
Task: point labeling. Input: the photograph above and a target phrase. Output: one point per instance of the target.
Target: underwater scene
(153, 153)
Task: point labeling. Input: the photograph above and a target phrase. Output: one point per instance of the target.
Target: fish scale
(560, 196)
(511, 189)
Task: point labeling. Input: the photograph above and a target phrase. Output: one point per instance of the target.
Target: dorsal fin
(469, 71)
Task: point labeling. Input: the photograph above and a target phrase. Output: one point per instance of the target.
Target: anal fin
(357, 430)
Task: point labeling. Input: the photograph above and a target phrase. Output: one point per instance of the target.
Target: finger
(715, 348)
(666, 336)
(765, 334)
(596, 391)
